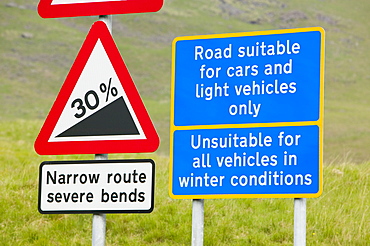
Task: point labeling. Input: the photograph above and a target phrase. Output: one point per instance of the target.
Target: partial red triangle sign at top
(98, 109)
(73, 8)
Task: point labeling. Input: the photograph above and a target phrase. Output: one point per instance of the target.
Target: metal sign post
(197, 222)
(108, 21)
(300, 221)
(99, 220)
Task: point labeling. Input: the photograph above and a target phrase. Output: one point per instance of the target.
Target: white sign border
(95, 211)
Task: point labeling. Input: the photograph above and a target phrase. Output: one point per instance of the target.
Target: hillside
(36, 55)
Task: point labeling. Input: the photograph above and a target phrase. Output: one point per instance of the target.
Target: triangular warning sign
(73, 8)
(98, 109)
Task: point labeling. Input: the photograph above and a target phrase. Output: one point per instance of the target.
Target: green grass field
(338, 217)
(36, 55)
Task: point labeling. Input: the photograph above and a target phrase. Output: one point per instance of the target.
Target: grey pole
(300, 221)
(108, 21)
(197, 222)
(98, 230)
(99, 220)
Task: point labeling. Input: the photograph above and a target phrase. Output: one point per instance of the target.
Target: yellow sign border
(318, 123)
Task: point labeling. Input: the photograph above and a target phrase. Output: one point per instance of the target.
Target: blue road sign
(243, 99)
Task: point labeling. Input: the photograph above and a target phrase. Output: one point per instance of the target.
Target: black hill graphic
(113, 119)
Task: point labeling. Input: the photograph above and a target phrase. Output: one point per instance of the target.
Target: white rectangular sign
(97, 186)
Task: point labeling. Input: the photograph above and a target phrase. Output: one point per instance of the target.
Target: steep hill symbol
(113, 119)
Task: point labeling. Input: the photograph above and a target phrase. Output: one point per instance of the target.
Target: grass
(339, 217)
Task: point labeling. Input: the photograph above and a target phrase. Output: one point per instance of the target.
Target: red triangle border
(42, 146)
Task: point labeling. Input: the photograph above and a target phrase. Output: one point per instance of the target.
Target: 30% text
(91, 98)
